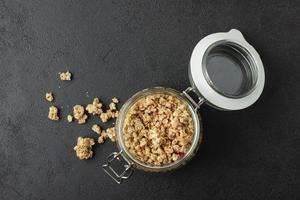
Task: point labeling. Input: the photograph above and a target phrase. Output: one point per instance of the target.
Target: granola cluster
(96, 128)
(70, 118)
(112, 113)
(108, 133)
(53, 113)
(49, 96)
(158, 129)
(84, 148)
(104, 134)
(95, 108)
(79, 114)
(65, 76)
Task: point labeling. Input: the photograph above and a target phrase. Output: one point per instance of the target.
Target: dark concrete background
(116, 48)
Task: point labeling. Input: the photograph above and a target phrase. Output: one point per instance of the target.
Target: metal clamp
(112, 173)
(195, 104)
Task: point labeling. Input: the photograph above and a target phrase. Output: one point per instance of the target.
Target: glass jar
(225, 72)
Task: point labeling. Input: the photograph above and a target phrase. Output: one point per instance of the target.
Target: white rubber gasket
(209, 93)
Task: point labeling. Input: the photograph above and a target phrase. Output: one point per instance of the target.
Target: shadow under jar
(225, 72)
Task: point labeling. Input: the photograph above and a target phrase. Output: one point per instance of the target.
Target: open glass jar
(225, 72)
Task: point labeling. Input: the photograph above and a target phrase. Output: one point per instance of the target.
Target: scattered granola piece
(82, 120)
(101, 140)
(158, 129)
(110, 114)
(65, 76)
(53, 113)
(70, 118)
(115, 114)
(102, 137)
(106, 116)
(78, 113)
(115, 100)
(84, 148)
(112, 106)
(96, 128)
(49, 96)
(95, 107)
(108, 133)
(111, 133)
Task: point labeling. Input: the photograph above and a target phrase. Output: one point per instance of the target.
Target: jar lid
(227, 71)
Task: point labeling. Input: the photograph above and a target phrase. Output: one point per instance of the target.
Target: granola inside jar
(158, 130)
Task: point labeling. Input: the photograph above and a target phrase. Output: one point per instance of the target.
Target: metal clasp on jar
(118, 177)
(196, 105)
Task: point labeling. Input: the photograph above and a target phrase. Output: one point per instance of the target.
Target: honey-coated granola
(158, 129)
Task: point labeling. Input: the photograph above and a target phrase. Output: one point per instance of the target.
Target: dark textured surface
(120, 47)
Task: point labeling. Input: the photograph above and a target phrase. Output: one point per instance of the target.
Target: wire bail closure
(201, 100)
(118, 178)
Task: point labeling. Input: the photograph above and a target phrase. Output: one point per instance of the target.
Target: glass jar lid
(227, 71)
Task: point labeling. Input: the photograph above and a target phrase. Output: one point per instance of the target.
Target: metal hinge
(196, 105)
(112, 173)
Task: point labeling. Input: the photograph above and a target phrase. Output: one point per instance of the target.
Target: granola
(112, 106)
(49, 96)
(111, 133)
(95, 107)
(65, 76)
(79, 114)
(53, 113)
(70, 118)
(108, 133)
(112, 112)
(158, 129)
(102, 137)
(96, 128)
(106, 116)
(84, 148)
(115, 100)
